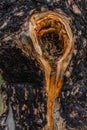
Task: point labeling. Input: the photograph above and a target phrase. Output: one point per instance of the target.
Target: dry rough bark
(22, 73)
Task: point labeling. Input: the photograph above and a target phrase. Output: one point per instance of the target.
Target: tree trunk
(43, 48)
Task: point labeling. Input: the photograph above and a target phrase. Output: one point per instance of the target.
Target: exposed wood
(54, 65)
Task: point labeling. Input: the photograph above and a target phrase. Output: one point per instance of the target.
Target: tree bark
(24, 77)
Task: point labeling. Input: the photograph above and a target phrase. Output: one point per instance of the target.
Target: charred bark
(25, 77)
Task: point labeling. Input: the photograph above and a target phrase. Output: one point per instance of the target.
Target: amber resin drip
(52, 45)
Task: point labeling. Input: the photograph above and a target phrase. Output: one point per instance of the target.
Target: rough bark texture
(17, 69)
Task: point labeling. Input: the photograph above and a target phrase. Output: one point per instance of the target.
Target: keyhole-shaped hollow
(53, 47)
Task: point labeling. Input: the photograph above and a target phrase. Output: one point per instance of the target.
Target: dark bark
(18, 70)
